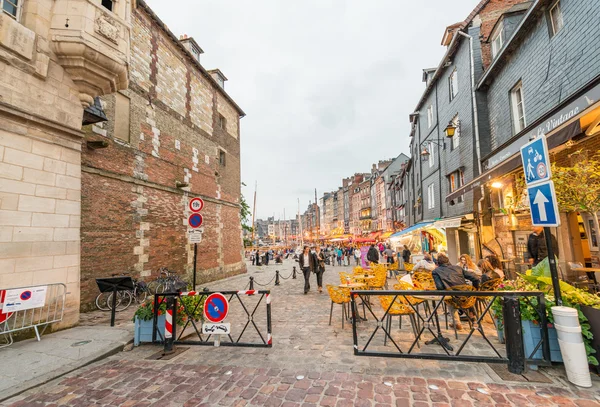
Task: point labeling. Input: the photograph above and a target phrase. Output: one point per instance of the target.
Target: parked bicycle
(167, 279)
(124, 299)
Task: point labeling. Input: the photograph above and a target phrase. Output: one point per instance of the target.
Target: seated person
(466, 263)
(426, 264)
(496, 265)
(446, 276)
(487, 271)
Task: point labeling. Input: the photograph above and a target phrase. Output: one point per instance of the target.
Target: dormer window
(10, 7)
(195, 52)
(107, 4)
(497, 39)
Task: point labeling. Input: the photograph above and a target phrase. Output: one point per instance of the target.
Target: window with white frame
(453, 83)
(518, 107)
(456, 180)
(430, 197)
(497, 39)
(431, 155)
(455, 141)
(10, 7)
(556, 18)
(429, 116)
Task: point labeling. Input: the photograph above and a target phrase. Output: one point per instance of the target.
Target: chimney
(192, 46)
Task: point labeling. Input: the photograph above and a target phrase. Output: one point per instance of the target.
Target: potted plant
(144, 315)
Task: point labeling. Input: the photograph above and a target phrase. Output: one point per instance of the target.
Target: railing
(423, 308)
(31, 307)
(245, 312)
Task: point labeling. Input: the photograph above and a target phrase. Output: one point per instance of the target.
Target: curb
(39, 381)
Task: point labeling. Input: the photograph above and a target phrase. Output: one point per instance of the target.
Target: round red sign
(216, 307)
(196, 204)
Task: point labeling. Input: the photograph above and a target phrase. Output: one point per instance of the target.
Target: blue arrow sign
(542, 202)
(535, 161)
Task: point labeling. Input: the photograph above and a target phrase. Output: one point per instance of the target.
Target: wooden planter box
(532, 333)
(143, 330)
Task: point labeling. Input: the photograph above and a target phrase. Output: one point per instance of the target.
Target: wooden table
(353, 286)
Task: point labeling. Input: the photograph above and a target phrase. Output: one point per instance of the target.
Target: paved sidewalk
(310, 364)
(29, 364)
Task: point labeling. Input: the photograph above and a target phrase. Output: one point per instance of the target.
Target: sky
(326, 85)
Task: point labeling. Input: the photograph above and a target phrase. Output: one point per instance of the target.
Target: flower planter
(593, 316)
(532, 333)
(143, 330)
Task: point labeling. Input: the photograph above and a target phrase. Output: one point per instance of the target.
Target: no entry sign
(216, 307)
(195, 220)
(196, 204)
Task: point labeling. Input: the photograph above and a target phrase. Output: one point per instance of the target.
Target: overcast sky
(327, 85)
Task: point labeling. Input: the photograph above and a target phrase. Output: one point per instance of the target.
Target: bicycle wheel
(141, 294)
(101, 301)
(153, 285)
(123, 301)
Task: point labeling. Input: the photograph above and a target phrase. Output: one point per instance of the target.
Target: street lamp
(450, 130)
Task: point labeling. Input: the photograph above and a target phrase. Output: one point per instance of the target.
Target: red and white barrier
(169, 324)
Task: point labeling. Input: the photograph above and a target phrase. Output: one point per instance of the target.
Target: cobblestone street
(310, 364)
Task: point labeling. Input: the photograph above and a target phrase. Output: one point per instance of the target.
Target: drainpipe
(476, 130)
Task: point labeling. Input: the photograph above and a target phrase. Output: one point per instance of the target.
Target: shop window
(222, 158)
(517, 102)
(431, 155)
(455, 140)
(453, 84)
(556, 19)
(107, 4)
(497, 39)
(430, 197)
(593, 235)
(429, 116)
(455, 181)
(10, 7)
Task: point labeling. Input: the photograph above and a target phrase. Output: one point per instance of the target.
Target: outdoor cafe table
(354, 286)
(590, 271)
(438, 338)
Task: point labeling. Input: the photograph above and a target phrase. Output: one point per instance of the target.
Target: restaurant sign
(562, 116)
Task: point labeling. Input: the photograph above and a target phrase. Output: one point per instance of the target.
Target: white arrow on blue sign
(535, 161)
(544, 208)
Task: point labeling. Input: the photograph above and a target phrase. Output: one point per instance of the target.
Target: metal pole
(269, 330)
(294, 273)
(514, 335)
(169, 324)
(553, 269)
(254, 212)
(353, 306)
(195, 258)
(155, 318)
(251, 287)
(113, 311)
(276, 277)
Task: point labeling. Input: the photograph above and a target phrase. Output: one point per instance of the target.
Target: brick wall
(134, 216)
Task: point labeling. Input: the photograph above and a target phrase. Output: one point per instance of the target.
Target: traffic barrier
(32, 307)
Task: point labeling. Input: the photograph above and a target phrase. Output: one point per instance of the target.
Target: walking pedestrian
(266, 258)
(373, 255)
(306, 261)
(339, 256)
(406, 254)
(536, 246)
(357, 255)
(320, 268)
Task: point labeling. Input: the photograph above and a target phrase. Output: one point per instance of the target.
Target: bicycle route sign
(196, 205)
(216, 308)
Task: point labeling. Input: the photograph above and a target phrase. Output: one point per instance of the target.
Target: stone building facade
(172, 135)
(56, 56)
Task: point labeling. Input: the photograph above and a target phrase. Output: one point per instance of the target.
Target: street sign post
(542, 201)
(542, 198)
(536, 163)
(195, 220)
(216, 308)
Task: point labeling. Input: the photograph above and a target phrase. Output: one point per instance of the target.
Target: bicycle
(124, 298)
(167, 279)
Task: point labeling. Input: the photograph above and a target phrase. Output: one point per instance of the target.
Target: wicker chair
(490, 285)
(423, 280)
(397, 308)
(338, 295)
(345, 276)
(463, 303)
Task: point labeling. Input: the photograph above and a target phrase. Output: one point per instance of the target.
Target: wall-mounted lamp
(497, 185)
(450, 130)
(180, 185)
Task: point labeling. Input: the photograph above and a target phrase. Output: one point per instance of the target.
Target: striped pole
(169, 334)
(269, 330)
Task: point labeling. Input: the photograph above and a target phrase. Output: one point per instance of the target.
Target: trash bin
(570, 340)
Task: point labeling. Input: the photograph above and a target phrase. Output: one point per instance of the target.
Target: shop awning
(448, 223)
(386, 235)
(411, 229)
